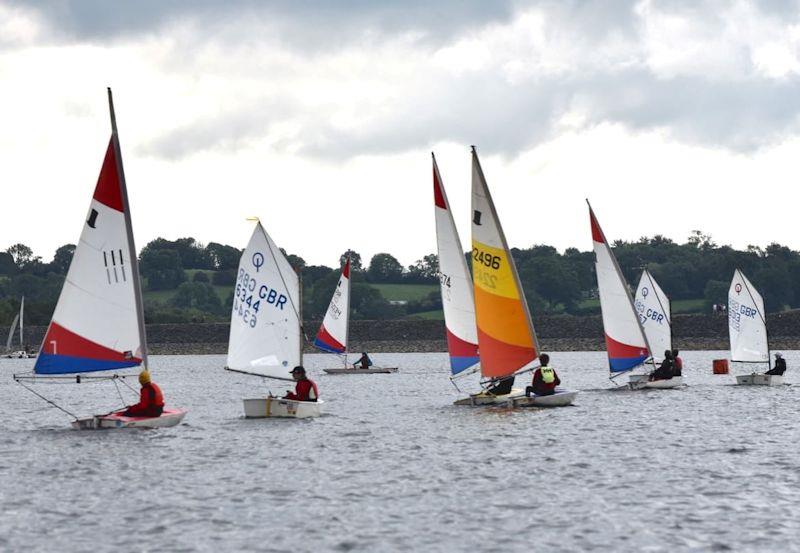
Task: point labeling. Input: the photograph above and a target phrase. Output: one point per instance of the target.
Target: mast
(300, 314)
(21, 322)
(137, 284)
(347, 328)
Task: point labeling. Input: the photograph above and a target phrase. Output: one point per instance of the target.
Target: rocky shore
(556, 333)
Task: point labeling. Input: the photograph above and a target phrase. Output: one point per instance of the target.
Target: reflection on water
(394, 466)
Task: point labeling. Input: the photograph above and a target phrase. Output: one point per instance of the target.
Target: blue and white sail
(653, 307)
(747, 325)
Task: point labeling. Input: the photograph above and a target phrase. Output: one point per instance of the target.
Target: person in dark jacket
(664, 371)
(677, 364)
(501, 387)
(305, 389)
(780, 365)
(545, 379)
(151, 400)
(364, 361)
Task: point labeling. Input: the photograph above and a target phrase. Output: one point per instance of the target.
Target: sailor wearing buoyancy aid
(305, 389)
(151, 400)
(545, 379)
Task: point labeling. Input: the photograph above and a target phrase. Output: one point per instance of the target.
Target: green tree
(161, 268)
(23, 256)
(197, 295)
(63, 258)
(423, 270)
(355, 260)
(716, 293)
(223, 257)
(384, 268)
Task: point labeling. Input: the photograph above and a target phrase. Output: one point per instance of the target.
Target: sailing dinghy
(334, 330)
(266, 337)
(21, 353)
(747, 329)
(627, 344)
(653, 308)
(507, 343)
(98, 322)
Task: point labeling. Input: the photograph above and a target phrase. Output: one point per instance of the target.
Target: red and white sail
(455, 281)
(332, 335)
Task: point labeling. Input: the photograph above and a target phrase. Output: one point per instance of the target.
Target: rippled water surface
(394, 466)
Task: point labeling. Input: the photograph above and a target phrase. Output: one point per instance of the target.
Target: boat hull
(561, 398)
(643, 382)
(757, 379)
(385, 370)
(274, 407)
(170, 417)
(482, 398)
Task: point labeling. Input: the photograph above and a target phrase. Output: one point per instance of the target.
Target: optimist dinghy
(98, 322)
(333, 333)
(498, 316)
(266, 338)
(627, 342)
(747, 329)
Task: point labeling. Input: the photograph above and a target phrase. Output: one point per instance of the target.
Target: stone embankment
(556, 333)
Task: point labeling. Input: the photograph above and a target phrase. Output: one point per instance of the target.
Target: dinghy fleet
(97, 329)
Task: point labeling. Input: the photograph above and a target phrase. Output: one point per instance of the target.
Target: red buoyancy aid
(151, 396)
(306, 390)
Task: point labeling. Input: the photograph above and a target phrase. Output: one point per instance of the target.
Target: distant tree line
(191, 282)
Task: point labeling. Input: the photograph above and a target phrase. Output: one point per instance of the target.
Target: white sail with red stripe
(332, 334)
(458, 302)
(626, 343)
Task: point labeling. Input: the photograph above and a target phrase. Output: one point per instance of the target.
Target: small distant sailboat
(333, 333)
(507, 343)
(23, 352)
(627, 344)
(747, 329)
(266, 336)
(98, 322)
(654, 310)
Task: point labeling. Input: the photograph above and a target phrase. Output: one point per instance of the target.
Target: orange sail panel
(506, 339)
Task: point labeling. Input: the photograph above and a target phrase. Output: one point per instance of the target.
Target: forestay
(506, 338)
(456, 286)
(747, 326)
(97, 323)
(653, 308)
(332, 334)
(626, 343)
(265, 334)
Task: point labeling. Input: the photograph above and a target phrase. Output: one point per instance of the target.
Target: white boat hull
(642, 382)
(757, 379)
(560, 398)
(483, 398)
(385, 370)
(275, 407)
(170, 417)
(20, 355)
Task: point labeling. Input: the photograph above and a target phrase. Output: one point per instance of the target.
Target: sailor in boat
(664, 371)
(151, 400)
(780, 365)
(305, 389)
(364, 361)
(677, 364)
(545, 379)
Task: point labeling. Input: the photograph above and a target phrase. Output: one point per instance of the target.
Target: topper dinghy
(506, 340)
(747, 329)
(98, 322)
(266, 338)
(21, 353)
(334, 330)
(627, 343)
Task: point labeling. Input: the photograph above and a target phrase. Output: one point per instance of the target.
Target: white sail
(11, 332)
(332, 335)
(455, 281)
(653, 308)
(21, 323)
(747, 325)
(265, 335)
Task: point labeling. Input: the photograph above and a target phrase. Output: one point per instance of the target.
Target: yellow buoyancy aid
(548, 375)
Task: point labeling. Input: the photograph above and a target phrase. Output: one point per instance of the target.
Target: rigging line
(280, 274)
(45, 399)
(121, 399)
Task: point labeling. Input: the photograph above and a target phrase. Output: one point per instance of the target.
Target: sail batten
(626, 343)
(507, 341)
(332, 334)
(455, 284)
(265, 334)
(747, 327)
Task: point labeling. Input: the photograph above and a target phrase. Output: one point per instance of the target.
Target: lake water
(394, 466)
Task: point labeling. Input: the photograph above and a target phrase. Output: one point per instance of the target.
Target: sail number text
(648, 313)
(486, 259)
(249, 295)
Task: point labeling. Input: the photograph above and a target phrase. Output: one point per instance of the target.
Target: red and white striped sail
(265, 336)
(332, 335)
(96, 323)
(455, 281)
(626, 343)
(747, 325)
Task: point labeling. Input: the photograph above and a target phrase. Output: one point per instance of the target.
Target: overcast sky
(320, 116)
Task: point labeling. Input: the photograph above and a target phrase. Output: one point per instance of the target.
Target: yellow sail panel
(506, 339)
